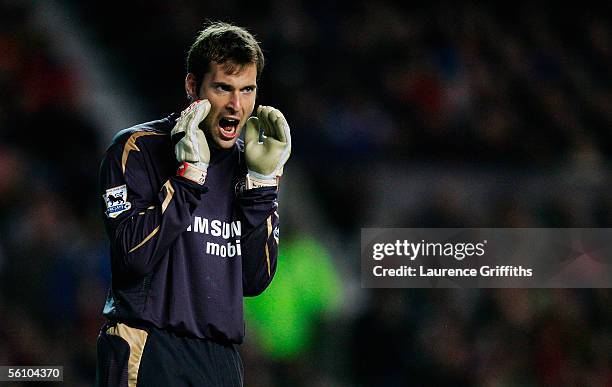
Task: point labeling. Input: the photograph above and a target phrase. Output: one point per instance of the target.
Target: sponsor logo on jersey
(116, 201)
(223, 232)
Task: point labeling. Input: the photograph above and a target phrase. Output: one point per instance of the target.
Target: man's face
(232, 100)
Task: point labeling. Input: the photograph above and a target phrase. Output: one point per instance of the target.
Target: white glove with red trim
(190, 143)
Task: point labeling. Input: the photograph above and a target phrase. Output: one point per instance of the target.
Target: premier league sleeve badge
(116, 201)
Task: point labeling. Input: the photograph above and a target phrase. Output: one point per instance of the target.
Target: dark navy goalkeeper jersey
(183, 255)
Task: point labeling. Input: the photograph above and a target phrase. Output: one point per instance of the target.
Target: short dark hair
(223, 43)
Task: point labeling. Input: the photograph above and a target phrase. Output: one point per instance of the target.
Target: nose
(234, 103)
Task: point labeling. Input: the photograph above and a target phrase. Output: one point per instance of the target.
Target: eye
(248, 89)
(223, 88)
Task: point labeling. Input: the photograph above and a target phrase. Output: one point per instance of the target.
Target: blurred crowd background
(447, 115)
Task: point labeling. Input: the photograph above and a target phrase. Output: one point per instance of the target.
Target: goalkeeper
(191, 214)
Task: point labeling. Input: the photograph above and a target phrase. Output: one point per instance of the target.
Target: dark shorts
(153, 357)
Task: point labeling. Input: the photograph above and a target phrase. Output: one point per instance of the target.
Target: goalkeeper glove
(190, 145)
(265, 159)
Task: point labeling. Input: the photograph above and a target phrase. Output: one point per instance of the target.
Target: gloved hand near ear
(190, 145)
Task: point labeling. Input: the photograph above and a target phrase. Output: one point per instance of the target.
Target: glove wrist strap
(257, 182)
(192, 172)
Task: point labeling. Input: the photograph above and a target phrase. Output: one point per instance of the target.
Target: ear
(190, 86)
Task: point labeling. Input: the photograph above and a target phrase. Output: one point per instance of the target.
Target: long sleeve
(141, 219)
(259, 216)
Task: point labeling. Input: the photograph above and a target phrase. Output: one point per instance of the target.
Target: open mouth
(229, 127)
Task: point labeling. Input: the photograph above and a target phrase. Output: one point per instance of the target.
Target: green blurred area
(306, 287)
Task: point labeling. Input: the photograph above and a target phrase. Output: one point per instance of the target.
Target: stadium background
(441, 115)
